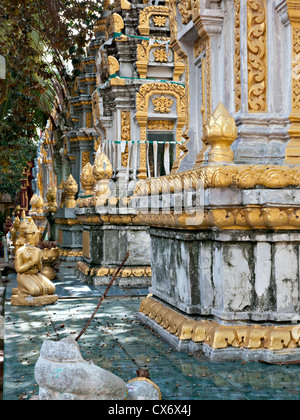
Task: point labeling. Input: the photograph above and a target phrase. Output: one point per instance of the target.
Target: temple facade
(180, 143)
(225, 260)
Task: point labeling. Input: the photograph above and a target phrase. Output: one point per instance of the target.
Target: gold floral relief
(125, 135)
(162, 104)
(160, 15)
(257, 55)
(160, 21)
(160, 125)
(147, 91)
(293, 148)
(85, 158)
(160, 55)
(237, 55)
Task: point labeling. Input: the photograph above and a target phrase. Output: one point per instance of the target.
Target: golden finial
(32, 203)
(102, 168)
(87, 179)
(40, 205)
(220, 132)
(71, 189)
(51, 199)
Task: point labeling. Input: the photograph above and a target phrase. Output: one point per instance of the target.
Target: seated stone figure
(34, 289)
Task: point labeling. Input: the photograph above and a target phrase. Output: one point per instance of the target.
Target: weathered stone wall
(234, 275)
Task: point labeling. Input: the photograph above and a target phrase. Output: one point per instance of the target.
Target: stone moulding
(108, 271)
(242, 215)
(219, 336)
(244, 218)
(244, 176)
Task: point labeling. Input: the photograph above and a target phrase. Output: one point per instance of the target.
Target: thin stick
(102, 298)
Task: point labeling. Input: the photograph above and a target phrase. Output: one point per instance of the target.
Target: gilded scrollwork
(237, 55)
(257, 55)
(292, 150)
(185, 9)
(125, 135)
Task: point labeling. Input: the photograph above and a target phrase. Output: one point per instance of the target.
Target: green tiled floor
(116, 341)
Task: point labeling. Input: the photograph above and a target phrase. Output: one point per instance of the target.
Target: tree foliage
(42, 42)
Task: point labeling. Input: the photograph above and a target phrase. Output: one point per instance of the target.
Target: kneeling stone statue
(62, 374)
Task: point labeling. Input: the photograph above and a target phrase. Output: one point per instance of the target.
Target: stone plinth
(225, 262)
(68, 234)
(232, 275)
(106, 240)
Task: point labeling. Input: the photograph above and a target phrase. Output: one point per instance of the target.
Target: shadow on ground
(116, 341)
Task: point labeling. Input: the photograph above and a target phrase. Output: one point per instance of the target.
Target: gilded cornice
(227, 218)
(225, 176)
(217, 335)
(108, 271)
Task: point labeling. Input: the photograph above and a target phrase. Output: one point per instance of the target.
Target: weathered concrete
(233, 275)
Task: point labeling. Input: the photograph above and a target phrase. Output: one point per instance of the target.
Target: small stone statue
(62, 374)
(34, 289)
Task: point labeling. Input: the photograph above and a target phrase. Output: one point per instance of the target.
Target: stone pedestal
(19, 300)
(225, 276)
(68, 234)
(233, 276)
(106, 240)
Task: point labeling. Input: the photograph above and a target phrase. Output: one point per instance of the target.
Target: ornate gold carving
(89, 120)
(67, 253)
(113, 65)
(88, 182)
(85, 158)
(147, 12)
(185, 9)
(142, 105)
(237, 55)
(71, 189)
(162, 104)
(124, 273)
(220, 132)
(244, 176)
(160, 54)
(114, 24)
(125, 135)
(181, 150)
(293, 147)
(102, 171)
(108, 271)
(160, 125)
(219, 336)
(159, 21)
(257, 55)
(114, 68)
(202, 46)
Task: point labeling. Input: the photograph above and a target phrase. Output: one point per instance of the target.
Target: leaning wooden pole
(102, 298)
